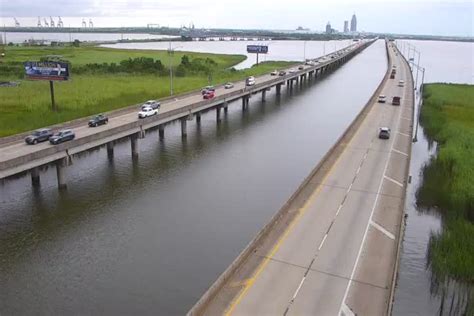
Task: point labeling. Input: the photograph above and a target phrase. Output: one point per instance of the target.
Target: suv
(151, 103)
(384, 133)
(62, 136)
(39, 135)
(396, 101)
(208, 95)
(98, 120)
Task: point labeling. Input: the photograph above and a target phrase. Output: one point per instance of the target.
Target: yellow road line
(301, 212)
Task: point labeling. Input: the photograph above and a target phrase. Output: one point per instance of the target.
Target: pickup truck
(396, 101)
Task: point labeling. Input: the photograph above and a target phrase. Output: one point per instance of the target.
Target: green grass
(28, 106)
(448, 184)
(92, 54)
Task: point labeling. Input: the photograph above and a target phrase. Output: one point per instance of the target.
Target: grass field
(448, 118)
(28, 106)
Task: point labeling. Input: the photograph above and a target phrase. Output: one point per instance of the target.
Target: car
(62, 136)
(274, 73)
(382, 99)
(38, 136)
(229, 85)
(401, 83)
(292, 70)
(300, 67)
(146, 112)
(207, 88)
(282, 73)
(98, 120)
(151, 103)
(392, 75)
(250, 81)
(208, 95)
(384, 133)
(396, 100)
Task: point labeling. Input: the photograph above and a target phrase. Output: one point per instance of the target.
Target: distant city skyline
(419, 17)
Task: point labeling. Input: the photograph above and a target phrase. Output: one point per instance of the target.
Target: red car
(208, 95)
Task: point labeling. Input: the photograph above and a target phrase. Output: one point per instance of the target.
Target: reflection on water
(152, 235)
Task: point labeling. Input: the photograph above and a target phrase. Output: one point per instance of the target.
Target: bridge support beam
(35, 177)
(61, 166)
(226, 107)
(134, 145)
(198, 118)
(218, 113)
(245, 102)
(184, 131)
(278, 89)
(161, 131)
(264, 92)
(110, 150)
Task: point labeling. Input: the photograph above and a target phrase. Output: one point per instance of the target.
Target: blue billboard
(47, 70)
(257, 49)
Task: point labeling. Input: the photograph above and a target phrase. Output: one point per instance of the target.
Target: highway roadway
(12, 150)
(337, 255)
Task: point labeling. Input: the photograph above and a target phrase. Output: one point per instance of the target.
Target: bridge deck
(336, 254)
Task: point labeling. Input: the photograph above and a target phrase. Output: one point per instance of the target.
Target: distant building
(346, 26)
(328, 28)
(354, 23)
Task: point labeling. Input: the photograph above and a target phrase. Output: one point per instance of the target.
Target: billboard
(257, 49)
(47, 70)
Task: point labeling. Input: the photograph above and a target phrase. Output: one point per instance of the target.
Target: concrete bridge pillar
(61, 166)
(278, 89)
(264, 92)
(184, 132)
(35, 177)
(245, 102)
(218, 113)
(134, 145)
(226, 107)
(110, 150)
(198, 118)
(161, 131)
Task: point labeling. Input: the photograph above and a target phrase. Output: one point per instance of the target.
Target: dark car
(384, 133)
(207, 89)
(396, 101)
(151, 103)
(301, 67)
(62, 136)
(38, 136)
(98, 120)
(282, 73)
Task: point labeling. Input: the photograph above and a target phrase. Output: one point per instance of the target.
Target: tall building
(328, 28)
(346, 26)
(354, 23)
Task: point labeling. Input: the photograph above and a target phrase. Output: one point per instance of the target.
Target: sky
(428, 17)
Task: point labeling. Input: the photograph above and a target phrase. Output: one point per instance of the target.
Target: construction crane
(60, 22)
(17, 24)
(84, 23)
(46, 24)
(52, 21)
(90, 23)
(39, 22)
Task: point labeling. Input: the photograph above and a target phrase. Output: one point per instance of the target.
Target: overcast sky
(446, 17)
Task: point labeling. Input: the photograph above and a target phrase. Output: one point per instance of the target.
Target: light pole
(304, 51)
(170, 54)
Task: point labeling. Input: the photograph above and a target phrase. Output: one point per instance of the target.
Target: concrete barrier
(324, 165)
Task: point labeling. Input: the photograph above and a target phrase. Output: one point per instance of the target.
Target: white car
(401, 83)
(274, 73)
(382, 98)
(250, 81)
(292, 70)
(229, 85)
(147, 111)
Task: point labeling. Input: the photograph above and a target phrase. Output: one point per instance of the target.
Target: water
(152, 236)
(444, 62)
(20, 37)
(277, 50)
